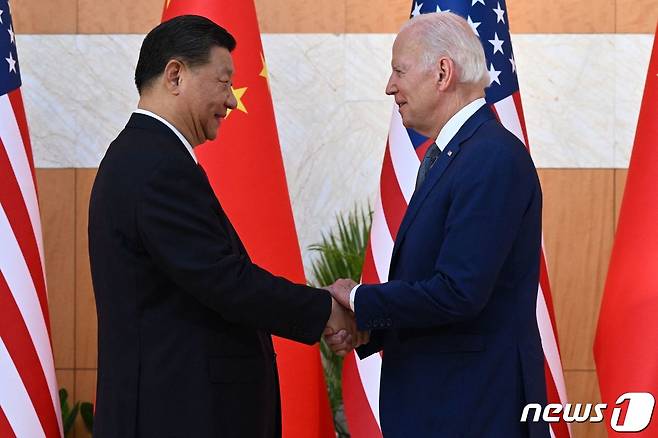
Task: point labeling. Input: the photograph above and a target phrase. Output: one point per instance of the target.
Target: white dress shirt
(182, 138)
(446, 134)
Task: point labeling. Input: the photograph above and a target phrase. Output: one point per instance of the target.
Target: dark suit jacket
(456, 322)
(184, 316)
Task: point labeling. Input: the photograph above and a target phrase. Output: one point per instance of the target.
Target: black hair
(188, 38)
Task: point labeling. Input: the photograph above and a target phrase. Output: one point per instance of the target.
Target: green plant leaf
(87, 414)
(69, 415)
(340, 254)
(63, 402)
(69, 419)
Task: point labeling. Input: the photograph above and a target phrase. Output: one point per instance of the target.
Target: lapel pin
(450, 153)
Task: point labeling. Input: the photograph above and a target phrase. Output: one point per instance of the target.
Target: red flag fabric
(245, 167)
(29, 400)
(404, 151)
(625, 348)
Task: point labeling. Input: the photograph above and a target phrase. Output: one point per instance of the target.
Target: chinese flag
(626, 345)
(245, 168)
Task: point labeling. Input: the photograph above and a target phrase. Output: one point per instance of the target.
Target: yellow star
(264, 73)
(238, 93)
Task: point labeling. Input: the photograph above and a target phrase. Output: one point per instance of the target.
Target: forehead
(220, 60)
(407, 47)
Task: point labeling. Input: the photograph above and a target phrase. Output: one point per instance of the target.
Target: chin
(405, 121)
(212, 133)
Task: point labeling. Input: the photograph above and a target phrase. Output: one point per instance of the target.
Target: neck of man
(165, 109)
(454, 102)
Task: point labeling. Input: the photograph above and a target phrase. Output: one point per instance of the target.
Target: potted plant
(340, 255)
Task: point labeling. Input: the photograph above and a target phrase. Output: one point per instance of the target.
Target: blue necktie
(431, 155)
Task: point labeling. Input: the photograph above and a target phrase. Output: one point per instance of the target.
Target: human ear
(173, 75)
(445, 72)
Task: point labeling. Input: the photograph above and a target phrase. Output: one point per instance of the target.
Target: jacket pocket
(236, 369)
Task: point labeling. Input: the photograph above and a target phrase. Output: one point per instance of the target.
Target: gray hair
(448, 34)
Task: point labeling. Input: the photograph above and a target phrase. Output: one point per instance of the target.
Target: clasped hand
(341, 334)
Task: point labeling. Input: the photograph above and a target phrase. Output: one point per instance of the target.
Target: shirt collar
(182, 138)
(455, 123)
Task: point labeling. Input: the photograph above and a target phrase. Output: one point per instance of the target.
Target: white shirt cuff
(352, 295)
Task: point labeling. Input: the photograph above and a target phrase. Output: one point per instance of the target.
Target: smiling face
(413, 85)
(207, 94)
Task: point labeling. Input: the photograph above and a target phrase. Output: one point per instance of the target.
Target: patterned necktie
(429, 159)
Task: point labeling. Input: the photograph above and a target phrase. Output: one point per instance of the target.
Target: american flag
(29, 402)
(404, 150)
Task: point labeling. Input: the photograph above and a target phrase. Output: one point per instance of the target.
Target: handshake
(341, 334)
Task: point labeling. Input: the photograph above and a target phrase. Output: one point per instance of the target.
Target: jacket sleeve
(374, 345)
(489, 202)
(180, 224)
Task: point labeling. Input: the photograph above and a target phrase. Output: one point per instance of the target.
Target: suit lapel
(142, 121)
(447, 156)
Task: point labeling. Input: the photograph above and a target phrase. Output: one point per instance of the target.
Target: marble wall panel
(352, 174)
(567, 85)
(309, 69)
(78, 94)
(307, 78)
(630, 66)
(331, 110)
(581, 93)
(367, 66)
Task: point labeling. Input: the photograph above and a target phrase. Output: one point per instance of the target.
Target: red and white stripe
(29, 400)
(399, 169)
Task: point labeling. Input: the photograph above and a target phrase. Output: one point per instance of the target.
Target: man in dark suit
(184, 316)
(456, 320)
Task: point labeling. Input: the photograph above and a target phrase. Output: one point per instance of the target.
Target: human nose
(391, 88)
(231, 101)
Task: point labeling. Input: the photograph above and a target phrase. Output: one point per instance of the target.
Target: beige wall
(580, 205)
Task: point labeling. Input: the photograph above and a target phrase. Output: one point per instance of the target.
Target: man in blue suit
(456, 321)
